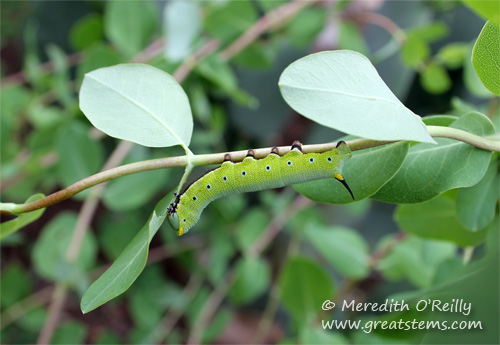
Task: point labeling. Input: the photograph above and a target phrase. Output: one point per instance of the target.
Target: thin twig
(187, 65)
(384, 22)
(47, 67)
(171, 317)
(170, 162)
(277, 225)
(55, 308)
(274, 18)
(22, 307)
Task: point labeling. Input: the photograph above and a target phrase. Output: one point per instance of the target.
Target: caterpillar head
(173, 218)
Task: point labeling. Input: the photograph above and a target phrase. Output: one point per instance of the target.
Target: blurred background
(240, 275)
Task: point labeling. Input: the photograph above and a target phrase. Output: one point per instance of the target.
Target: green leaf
(130, 192)
(15, 284)
(70, 333)
(309, 335)
(182, 24)
(416, 259)
(351, 38)
(366, 172)
(486, 57)
(435, 79)
(342, 90)
(471, 80)
(430, 32)
(453, 55)
(220, 74)
(430, 170)
(137, 103)
(476, 205)
(79, 155)
(130, 24)
(33, 320)
(415, 51)
(116, 232)
(250, 227)
(229, 20)
(60, 78)
(304, 287)
(49, 253)
(125, 270)
(43, 117)
(86, 31)
(440, 120)
(253, 276)
(306, 26)
(344, 248)
(489, 10)
(13, 225)
(436, 219)
(98, 56)
(259, 55)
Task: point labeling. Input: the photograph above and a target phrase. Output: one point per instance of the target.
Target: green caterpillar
(253, 175)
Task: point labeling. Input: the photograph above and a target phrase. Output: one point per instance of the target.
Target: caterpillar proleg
(250, 175)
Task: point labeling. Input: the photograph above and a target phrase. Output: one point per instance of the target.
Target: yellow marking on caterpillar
(339, 177)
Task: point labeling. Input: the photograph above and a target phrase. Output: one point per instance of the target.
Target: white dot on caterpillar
(329, 159)
(243, 173)
(184, 220)
(224, 178)
(209, 187)
(268, 168)
(289, 163)
(311, 160)
(195, 198)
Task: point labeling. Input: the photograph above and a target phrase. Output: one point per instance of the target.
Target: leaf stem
(192, 160)
(469, 138)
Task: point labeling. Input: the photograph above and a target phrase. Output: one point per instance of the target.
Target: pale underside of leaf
(342, 90)
(138, 103)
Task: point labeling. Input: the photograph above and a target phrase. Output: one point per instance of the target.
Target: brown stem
(172, 162)
(46, 67)
(56, 306)
(274, 18)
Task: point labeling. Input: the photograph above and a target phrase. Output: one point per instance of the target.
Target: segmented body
(252, 175)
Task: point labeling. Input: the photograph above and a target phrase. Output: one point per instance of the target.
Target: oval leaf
(49, 253)
(130, 24)
(344, 248)
(476, 205)
(79, 155)
(486, 57)
(430, 170)
(252, 279)
(342, 90)
(437, 219)
(366, 172)
(182, 24)
(125, 270)
(304, 287)
(137, 103)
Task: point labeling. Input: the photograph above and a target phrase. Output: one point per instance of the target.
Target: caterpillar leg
(340, 178)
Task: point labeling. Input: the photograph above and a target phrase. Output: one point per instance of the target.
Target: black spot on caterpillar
(252, 175)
